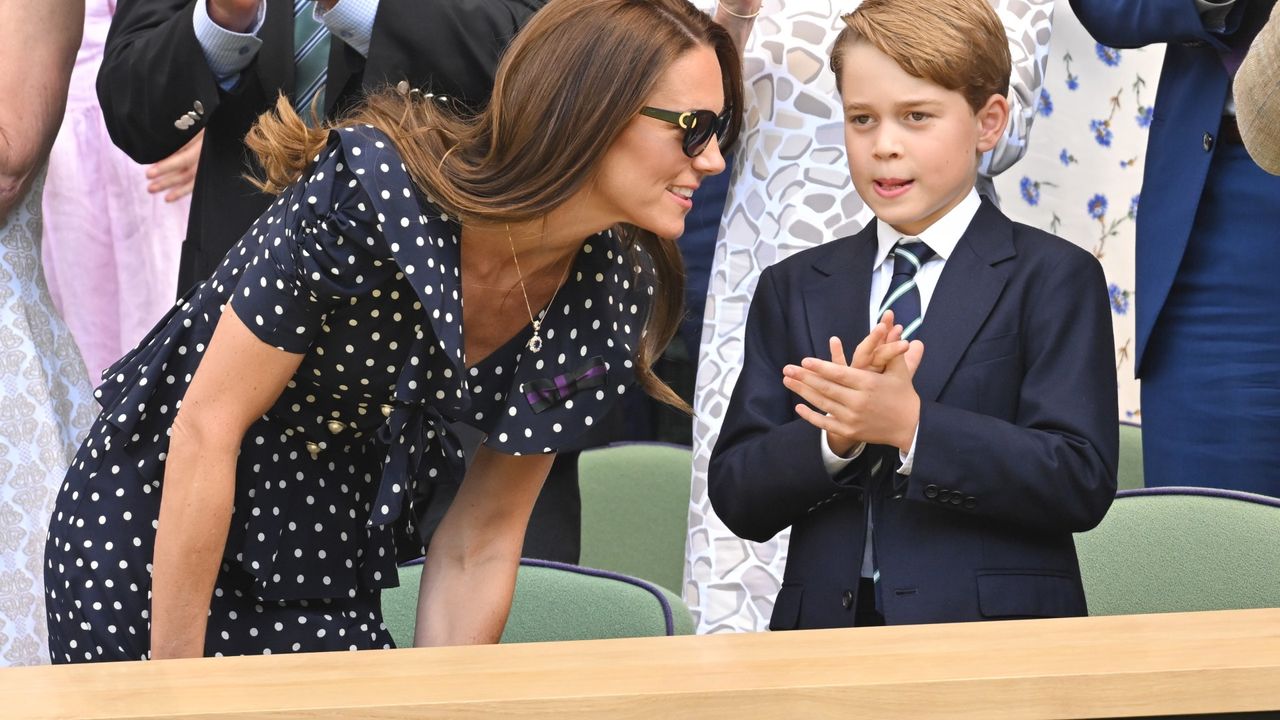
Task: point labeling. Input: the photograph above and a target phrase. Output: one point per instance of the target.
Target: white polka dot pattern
(361, 275)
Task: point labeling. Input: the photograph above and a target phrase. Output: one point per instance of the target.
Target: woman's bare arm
(239, 378)
(38, 43)
(470, 573)
(738, 17)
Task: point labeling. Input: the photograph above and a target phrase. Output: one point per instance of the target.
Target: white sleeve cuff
(351, 21)
(833, 462)
(909, 458)
(228, 53)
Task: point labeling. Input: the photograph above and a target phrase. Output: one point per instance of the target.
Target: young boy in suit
(937, 474)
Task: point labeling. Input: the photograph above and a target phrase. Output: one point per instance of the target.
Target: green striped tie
(310, 58)
(903, 296)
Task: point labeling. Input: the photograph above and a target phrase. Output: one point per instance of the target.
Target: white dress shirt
(229, 53)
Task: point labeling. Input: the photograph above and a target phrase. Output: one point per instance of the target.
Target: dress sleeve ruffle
(314, 251)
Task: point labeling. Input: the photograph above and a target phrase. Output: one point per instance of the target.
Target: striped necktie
(903, 296)
(310, 58)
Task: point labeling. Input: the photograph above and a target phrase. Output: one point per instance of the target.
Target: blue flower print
(1101, 130)
(1144, 116)
(1108, 55)
(1065, 157)
(1133, 206)
(1030, 190)
(1119, 299)
(1097, 206)
(1073, 81)
(1045, 106)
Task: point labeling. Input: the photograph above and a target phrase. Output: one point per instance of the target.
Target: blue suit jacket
(1184, 128)
(1017, 442)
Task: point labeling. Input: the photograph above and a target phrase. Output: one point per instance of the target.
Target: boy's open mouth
(891, 187)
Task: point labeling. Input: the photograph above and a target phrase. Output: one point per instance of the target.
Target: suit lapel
(275, 57)
(836, 299)
(344, 64)
(967, 291)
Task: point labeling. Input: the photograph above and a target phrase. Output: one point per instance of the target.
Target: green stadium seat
(635, 510)
(555, 601)
(1130, 471)
(1181, 549)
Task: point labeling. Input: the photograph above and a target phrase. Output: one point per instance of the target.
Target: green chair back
(635, 510)
(1176, 549)
(555, 601)
(1130, 471)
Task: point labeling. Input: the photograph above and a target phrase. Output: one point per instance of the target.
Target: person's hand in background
(176, 175)
(235, 15)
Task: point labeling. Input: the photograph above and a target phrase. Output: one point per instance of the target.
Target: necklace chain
(535, 341)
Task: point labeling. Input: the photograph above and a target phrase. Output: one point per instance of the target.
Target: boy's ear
(992, 119)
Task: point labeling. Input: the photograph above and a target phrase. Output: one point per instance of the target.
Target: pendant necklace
(535, 342)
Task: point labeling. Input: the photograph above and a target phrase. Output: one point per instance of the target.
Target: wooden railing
(1138, 665)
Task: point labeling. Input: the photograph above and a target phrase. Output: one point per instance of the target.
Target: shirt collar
(942, 236)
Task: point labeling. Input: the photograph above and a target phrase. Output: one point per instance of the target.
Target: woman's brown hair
(567, 85)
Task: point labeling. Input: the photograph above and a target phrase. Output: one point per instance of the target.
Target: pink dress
(110, 247)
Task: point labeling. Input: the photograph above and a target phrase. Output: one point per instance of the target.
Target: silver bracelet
(752, 16)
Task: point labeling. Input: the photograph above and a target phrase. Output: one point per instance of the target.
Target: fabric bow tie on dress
(544, 393)
(416, 436)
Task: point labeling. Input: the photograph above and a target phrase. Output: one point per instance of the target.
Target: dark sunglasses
(698, 125)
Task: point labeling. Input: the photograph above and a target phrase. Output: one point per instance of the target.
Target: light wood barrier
(1138, 665)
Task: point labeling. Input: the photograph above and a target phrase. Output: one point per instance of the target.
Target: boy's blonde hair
(957, 44)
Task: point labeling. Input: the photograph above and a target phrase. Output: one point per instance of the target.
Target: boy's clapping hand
(868, 398)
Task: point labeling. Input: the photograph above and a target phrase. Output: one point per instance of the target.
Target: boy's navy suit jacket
(1017, 443)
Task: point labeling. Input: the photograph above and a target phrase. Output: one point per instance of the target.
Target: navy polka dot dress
(356, 270)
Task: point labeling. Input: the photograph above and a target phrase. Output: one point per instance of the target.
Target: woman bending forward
(248, 485)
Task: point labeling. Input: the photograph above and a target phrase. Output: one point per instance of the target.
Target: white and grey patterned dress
(45, 408)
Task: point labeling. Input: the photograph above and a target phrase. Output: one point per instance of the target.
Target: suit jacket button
(931, 491)
(847, 599)
(956, 498)
(970, 503)
(944, 495)
(1208, 142)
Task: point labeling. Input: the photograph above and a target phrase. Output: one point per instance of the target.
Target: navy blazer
(1184, 126)
(1017, 443)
